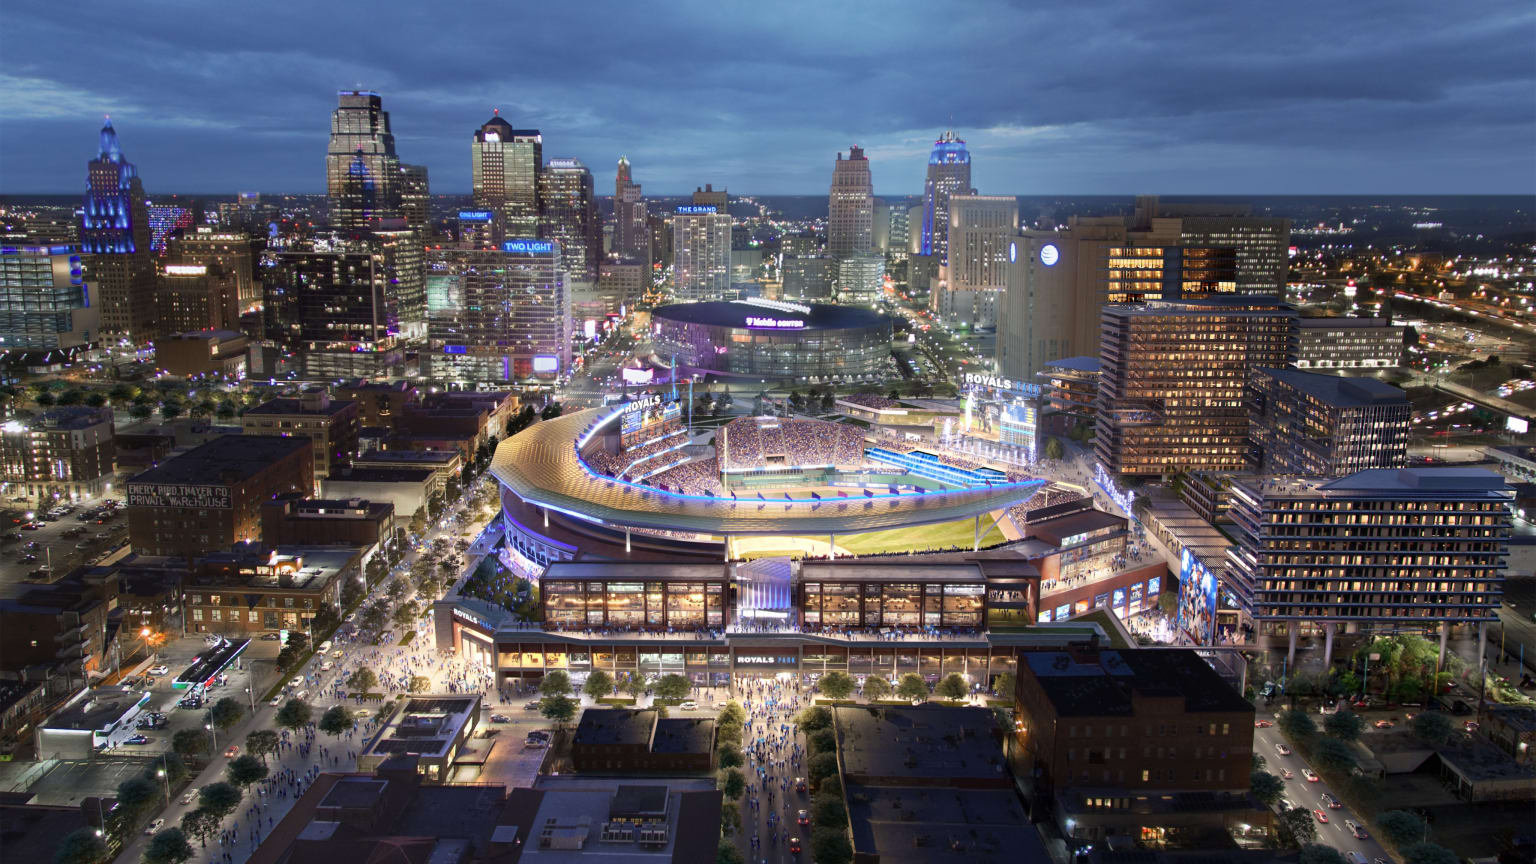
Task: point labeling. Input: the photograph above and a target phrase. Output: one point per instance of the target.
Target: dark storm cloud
(1112, 96)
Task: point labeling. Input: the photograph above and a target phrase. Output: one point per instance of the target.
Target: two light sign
(529, 247)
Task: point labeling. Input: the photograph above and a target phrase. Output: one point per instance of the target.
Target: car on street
(275, 700)
(800, 785)
(1287, 773)
(232, 752)
(1384, 724)
(1310, 775)
(137, 739)
(154, 826)
(803, 817)
(1330, 802)
(298, 681)
(362, 712)
(690, 705)
(1262, 724)
(500, 718)
(189, 796)
(1356, 829)
(794, 845)
(270, 637)
(1285, 804)
(532, 706)
(1320, 816)
(162, 669)
(1282, 749)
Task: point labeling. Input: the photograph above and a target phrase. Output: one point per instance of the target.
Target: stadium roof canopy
(540, 466)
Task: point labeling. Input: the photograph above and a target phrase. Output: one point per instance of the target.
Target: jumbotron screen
(648, 417)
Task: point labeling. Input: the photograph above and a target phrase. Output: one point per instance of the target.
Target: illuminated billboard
(546, 364)
(647, 417)
(1197, 599)
(528, 247)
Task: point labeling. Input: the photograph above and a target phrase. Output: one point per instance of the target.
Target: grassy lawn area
(959, 533)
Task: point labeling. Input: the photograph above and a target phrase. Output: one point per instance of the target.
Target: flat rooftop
(383, 475)
(289, 406)
(684, 735)
(1106, 683)
(615, 726)
(577, 808)
(1075, 364)
(893, 571)
(1428, 483)
(226, 459)
(1338, 391)
(427, 726)
(920, 824)
(408, 457)
(96, 709)
(627, 571)
(926, 741)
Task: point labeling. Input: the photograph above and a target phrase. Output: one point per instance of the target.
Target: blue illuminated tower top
(114, 220)
(949, 173)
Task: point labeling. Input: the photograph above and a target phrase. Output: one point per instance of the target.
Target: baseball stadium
(614, 482)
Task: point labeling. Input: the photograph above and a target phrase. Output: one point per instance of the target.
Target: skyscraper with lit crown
(568, 207)
(362, 172)
(633, 237)
(949, 173)
(115, 235)
(505, 165)
(850, 207)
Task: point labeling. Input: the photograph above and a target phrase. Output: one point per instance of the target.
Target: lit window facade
(864, 603)
(654, 604)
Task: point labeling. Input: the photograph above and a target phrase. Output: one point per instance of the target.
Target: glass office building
(498, 314)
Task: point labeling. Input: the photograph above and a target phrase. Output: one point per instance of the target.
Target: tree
(1331, 754)
(189, 742)
(912, 686)
(1400, 828)
(326, 617)
(953, 687)
(1344, 725)
(634, 684)
(827, 811)
(1432, 727)
(220, 799)
(170, 409)
(1316, 853)
(558, 709)
(45, 399)
(732, 784)
(1053, 448)
(1266, 787)
(261, 742)
(375, 616)
(226, 713)
(420, 684)
(134, 796)
(1296, 828)
(830, 846)
(245, 770)
(140, 412)
(1297, 725)
(363, 680)
(733, 712)
(405, 613)
(201, 824)
(168, 846)
(1004, 685)
(555, 683)
(726, 852)
(813, 718)
(673, 686)
(820, 766)
(226, 410)
(294, 714)
(80, 846)
(551, 411)
(599, 685)
(728, 756)
(96, 399)
(335, 720)
(822, 741)
(1429, 853)
(876, 687)
(837, 685)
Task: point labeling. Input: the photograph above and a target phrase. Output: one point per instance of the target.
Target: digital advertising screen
(1197, 599)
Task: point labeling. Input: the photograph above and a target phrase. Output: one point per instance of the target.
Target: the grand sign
(178, 495)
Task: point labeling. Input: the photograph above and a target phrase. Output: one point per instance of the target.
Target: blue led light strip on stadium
(585, 437)
(935, 470)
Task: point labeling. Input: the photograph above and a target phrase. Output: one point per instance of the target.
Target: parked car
(500, 718)
(690, 705)
(137, 739)
(1262, 724)
(270, 637)
(162, 669)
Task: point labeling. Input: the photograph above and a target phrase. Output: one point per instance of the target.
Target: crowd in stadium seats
(613, 465)
(701, 477)
(871, 400)
(1047, 497)
(901, 445)
(750, 442)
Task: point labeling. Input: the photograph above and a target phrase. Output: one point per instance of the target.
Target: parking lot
(35, 548)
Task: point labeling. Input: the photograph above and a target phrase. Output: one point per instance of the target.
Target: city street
(775, 754)
(1306, 795)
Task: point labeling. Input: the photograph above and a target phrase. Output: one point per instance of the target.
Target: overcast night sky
(1079, 97)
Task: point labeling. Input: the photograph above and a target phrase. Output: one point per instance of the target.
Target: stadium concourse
(785, 478)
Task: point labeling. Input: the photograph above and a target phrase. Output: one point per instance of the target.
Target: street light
(209, 727)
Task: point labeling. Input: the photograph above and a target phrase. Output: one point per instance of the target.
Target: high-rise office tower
(197, 297)
(1058, 281)
(362, 172)
(568, 208)
(882, 227)
(981, 227)
(1386, 549)
(415, 197)
(505, 171)
(949, 173)
(331, 311)
(1325, 425)
(1173, 377)
(632, 237)
(45, 303)
(234, 252)
(701, 252)
(709, 196)
(400, 255)
(860, 278)
(850, 207)
(115, 237)
(499, 315)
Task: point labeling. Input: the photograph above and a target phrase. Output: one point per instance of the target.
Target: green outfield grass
(961, 533)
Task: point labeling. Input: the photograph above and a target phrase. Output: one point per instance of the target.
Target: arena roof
(540, 466)
(734, 313)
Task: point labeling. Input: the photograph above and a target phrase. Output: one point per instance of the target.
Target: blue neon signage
(475, 215)
(529, 247)
(693, 209)
(455, 349)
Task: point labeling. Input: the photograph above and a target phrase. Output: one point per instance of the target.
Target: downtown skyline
(1327, 100)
